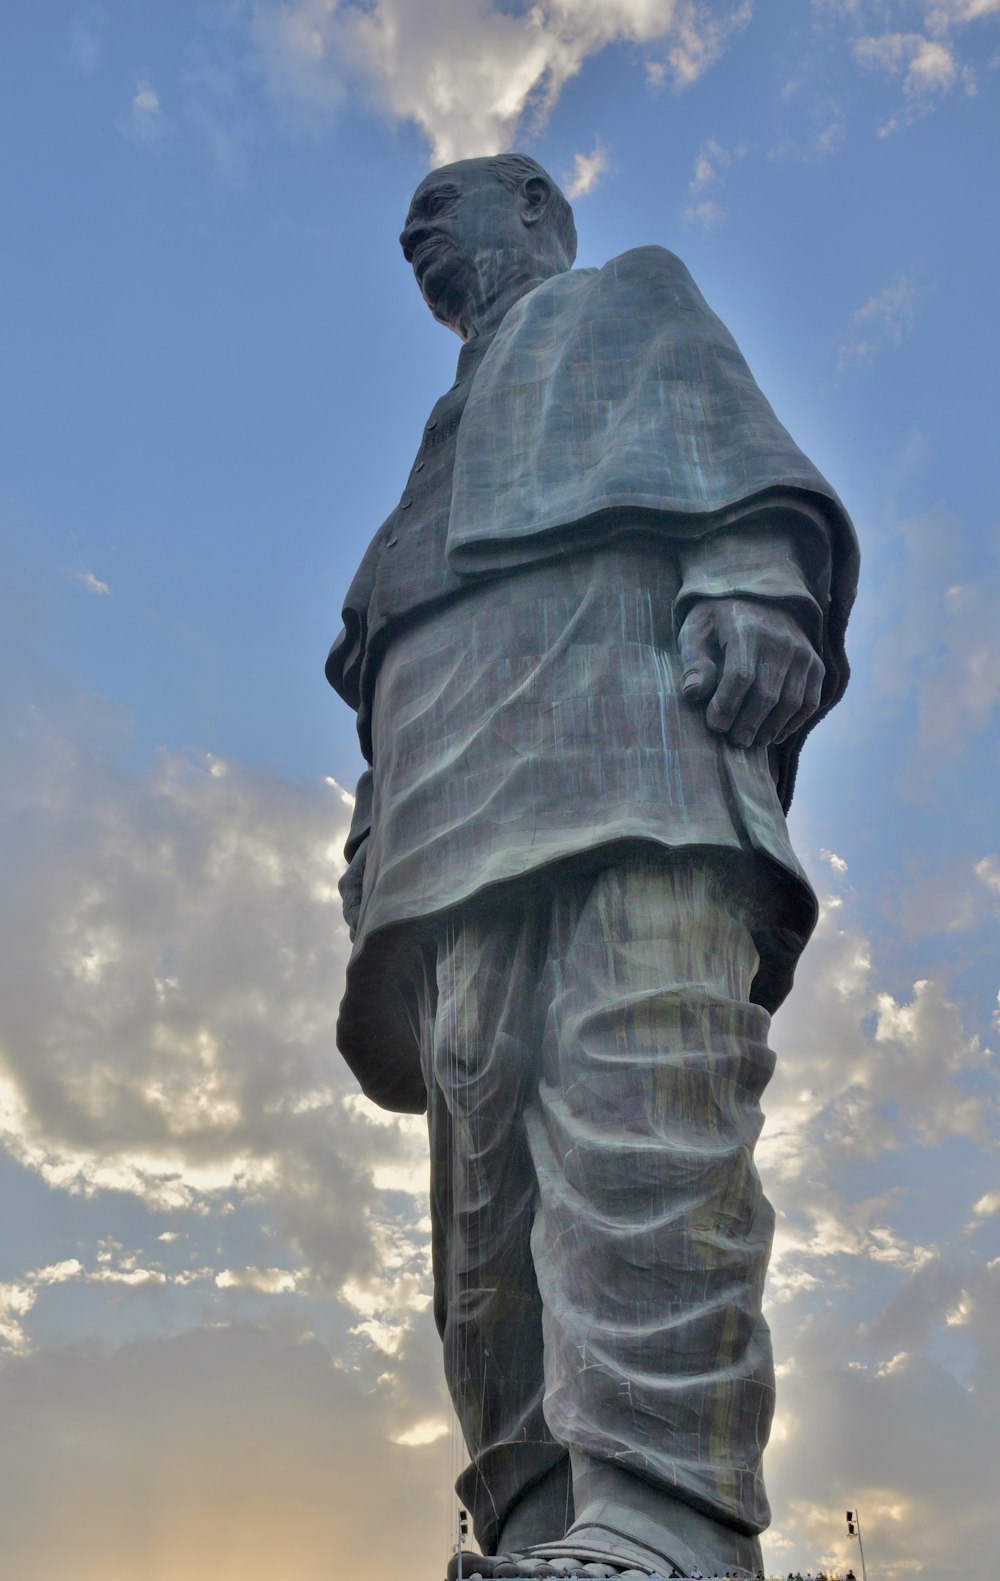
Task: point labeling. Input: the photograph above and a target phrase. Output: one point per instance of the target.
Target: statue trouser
(594, 1069)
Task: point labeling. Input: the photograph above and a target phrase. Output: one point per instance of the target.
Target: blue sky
(217, 1356)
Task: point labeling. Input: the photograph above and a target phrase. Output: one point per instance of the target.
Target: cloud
(266, 1281)
(944, 14)
(92, 583)
(836, 862)
(86, 42)
(827, 134)
(929, 69)
(874, 1277)
(587, 172)
(173, 960)
(706, 213)
(869, 1427)
(473, 77)
(145, 115)
(701, 37)
(427, 1432)
(882, 321)
(940, 646)
(917, 44)
(988, 872)
(169, 984)
(927, 65)
(16, 1300)
(863, 1073)
(987, 1205)
(709, 172)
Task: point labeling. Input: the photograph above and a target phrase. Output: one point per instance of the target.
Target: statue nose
(411, 236)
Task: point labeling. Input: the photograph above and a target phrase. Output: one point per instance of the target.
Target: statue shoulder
(642, 280)
(635, 265)
(651, 259)
(648, 271)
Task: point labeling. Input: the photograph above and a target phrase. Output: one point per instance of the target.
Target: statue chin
(441, 289)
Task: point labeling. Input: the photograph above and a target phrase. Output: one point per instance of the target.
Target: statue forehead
(465, 173)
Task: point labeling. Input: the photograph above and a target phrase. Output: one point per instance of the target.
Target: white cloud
(927, 65)
(472, 76)
(16, 1301)
(706, 213)
(944, 14)
(168, 995)
(396, 1292)
(264, 1281)
(881, 321)
(858, 1302)
(145, 117)
(918, 44)
(426, 1432)
(988, 872)
(929, 69)
(587, 172)
(712, 162)
(133, 1277)
(701, 38)
(92, 583)
(863, 1073)
(58, 1273)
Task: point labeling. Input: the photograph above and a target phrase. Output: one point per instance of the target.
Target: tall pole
(463, 1532)
(854, 1530)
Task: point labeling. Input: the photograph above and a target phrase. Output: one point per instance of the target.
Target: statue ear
(535, 196)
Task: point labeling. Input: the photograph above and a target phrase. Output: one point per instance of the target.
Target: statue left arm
(750, 613)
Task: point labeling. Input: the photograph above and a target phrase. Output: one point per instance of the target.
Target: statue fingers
(738, 678)
(787, 707)
(699, 670)
(760, 703)
(812, 696)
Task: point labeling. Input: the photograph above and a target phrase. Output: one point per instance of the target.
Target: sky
(218, 1360)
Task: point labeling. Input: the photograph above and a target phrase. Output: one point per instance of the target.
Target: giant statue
(585, 650)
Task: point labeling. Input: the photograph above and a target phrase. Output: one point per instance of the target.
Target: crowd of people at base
(793, 1575)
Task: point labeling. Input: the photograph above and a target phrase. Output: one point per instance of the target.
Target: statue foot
(564, 1559)
(602, 1553)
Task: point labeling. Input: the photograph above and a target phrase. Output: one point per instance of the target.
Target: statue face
(463, 230)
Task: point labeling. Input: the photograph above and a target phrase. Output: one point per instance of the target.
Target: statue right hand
(752, 665)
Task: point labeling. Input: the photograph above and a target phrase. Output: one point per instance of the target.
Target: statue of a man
(584, 650)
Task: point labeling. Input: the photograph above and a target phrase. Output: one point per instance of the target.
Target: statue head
(481, 232)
